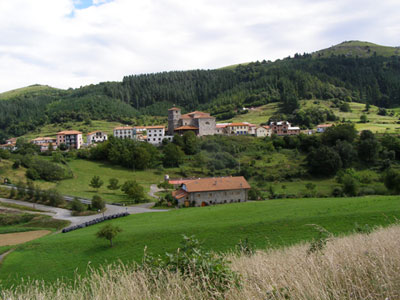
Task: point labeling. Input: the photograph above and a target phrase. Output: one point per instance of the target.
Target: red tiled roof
(174, 108)
(179, 181)
(43, 139)
(238, 124)
(155, 127)
(179, 194)
(220, 126)
(324, 125)
(217, 184)
(69, 132)
(187, 127)
(196, 115)
(93, 132)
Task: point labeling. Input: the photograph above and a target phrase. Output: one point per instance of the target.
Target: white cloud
(51, 42)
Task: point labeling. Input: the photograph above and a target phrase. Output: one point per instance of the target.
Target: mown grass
(376, 123)
(271, 223)
(84, 171)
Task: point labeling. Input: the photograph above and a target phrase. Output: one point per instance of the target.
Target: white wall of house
(215, 197)
(123, 133)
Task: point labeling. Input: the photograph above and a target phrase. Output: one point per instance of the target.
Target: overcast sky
(69, 43)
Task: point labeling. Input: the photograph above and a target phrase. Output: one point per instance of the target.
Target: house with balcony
(71, 138)
(96, 137)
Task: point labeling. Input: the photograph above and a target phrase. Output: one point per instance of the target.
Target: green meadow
(84, 170)
(376, 123)
(273, 223)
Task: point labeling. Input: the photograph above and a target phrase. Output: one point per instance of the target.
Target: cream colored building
(210, 191)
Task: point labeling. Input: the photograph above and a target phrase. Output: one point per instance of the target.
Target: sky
(72, 43)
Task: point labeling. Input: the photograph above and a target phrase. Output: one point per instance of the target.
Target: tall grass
(361, 266)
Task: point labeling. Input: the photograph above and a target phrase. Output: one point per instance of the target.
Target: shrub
(244, 247)
(207, 269)
(55, 198)
(77, 205)
(32, 174)
(98, 203)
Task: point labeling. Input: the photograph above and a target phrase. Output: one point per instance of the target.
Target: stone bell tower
(174, 115)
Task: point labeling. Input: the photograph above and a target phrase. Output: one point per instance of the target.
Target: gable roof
(237, 124)
(324, 125)
(69, 132)
(196, 115)
(216, 184)
(155, 127)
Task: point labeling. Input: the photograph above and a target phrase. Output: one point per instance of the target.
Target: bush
(54, 198)
(98, 203)
(77, 205)
(32, 174)
(210, 271)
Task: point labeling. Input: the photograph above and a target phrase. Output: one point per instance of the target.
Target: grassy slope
(29, 90)
(52, 129)
(376, 123)
(358, 48)
(268, 223)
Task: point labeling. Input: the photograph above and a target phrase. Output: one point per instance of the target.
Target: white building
(156, 134)
(96, 137)
(125, 132)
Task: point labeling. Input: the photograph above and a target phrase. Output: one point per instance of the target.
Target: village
(201, 123)
(188, 191)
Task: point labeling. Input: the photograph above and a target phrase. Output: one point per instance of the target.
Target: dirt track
(21, 237)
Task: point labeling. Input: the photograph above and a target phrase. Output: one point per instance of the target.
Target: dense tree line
(373, 80)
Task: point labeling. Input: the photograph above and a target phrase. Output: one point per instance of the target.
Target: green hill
(27, 92)
(266, 224)
(357, 76)
(358, 48)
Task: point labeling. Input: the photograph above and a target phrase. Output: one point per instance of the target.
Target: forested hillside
(373, 79)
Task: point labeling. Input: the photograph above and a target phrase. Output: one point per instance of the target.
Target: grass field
(84, 171)
(376, 123)
(29, 90)
(51, 130)
(14, 221)
(267, 224)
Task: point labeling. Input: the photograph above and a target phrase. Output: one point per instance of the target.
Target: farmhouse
(96, 137)
(10, 144)
(71, 138)
(214, 190)
(200, 123)
(284, 128)
(238, 128)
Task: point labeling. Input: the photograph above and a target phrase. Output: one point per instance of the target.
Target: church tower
(174, 115)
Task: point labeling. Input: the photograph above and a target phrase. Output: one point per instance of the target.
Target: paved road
(65, 214)
(153, 190)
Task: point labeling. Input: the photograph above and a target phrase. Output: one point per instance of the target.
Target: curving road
(65, 214)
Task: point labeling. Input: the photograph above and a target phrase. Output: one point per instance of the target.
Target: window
(210, 195)
(207, 123)
(198, 195)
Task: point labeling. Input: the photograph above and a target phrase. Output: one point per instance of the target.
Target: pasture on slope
(376, 123)
(271, 223)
